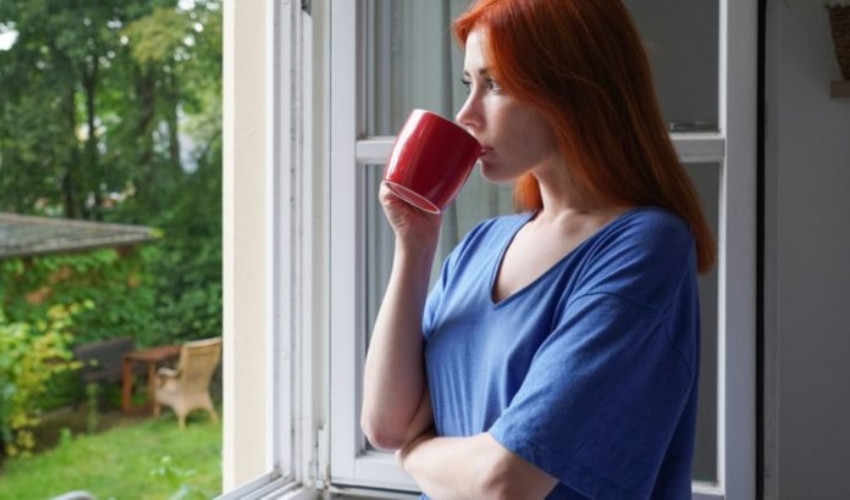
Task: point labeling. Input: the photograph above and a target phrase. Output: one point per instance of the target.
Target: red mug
(430, 161)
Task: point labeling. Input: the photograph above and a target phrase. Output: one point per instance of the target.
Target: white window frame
(733, 148)
(289, 286)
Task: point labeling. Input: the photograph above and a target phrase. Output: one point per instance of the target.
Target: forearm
(476, 467)
(394, 375)
(445, 468)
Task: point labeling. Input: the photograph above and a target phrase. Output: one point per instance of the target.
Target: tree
(111, 110)
(92, 97)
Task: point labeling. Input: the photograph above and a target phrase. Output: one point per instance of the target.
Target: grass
(133, 459)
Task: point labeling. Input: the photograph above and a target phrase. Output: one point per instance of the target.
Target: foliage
(134, 452)
(138, 294)
(189, 302)
(111, 110)
(98, 98)
(117, 284)
(30, 355)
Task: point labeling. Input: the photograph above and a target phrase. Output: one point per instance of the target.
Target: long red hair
(582, 64)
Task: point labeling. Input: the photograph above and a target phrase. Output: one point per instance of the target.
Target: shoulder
(646, 235)
(646, 254)
(652, 226)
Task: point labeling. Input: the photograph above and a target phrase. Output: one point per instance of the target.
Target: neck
(563, 195)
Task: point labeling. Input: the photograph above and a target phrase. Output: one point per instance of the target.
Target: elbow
(382, 435)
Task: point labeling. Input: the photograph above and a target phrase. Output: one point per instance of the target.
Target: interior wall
(807, 332)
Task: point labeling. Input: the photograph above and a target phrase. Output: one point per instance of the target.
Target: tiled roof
(24, 235)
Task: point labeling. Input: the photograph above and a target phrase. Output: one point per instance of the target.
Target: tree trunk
(70, 179)
(173, 96)
(146, 101)
(93, 173)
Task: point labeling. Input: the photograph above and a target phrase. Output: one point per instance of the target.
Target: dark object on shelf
(839, 20)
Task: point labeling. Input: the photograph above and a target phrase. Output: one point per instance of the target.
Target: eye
(493, 85)
(466, 84)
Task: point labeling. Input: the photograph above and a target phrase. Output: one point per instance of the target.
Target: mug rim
(412, 197)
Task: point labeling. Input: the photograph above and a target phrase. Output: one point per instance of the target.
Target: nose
(469, 116)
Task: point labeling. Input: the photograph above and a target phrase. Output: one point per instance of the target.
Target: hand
(413, 227)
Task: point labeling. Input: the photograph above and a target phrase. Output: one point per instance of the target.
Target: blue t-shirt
(589, 372)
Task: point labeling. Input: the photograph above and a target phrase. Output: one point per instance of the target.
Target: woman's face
(516, 138)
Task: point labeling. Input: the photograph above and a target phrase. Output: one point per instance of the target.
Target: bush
(31, 354)
(114, 280)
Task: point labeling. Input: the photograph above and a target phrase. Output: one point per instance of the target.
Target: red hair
(581, 63)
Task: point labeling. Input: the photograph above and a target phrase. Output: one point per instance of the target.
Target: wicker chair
(187, 388)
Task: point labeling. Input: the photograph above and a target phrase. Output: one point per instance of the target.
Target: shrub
(114, 279)
(31, 354)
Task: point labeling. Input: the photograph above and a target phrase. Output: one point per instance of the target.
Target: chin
(495, 175)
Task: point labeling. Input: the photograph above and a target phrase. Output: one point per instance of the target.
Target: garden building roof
(26, 235)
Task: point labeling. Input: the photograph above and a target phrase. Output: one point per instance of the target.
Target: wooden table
(152, 357)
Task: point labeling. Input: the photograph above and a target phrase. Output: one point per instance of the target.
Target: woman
(557, 356)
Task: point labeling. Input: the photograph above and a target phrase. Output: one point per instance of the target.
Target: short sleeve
(602, 398)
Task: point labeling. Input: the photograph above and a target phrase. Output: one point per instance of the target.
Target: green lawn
(143, 459)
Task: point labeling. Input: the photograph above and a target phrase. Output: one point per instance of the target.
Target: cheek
(532, 133)
(533, 144)
(546, 142)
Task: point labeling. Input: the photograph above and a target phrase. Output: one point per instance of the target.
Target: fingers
(386, 195)
(408, 222)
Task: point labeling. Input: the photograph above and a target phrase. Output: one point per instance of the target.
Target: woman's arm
(394, 386)
(477, 468)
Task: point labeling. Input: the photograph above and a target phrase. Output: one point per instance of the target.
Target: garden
(110, 115)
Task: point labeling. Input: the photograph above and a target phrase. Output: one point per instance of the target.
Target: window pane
(682, 39)
(412, 60)
(706, 178)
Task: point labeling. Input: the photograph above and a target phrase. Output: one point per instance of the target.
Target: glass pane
(682, 39)
(412, 60)
(706, 178)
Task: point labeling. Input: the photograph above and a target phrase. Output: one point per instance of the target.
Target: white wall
(244, 241)
(808, 260)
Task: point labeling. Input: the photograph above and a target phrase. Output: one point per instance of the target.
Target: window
(270, 396)
(342, 76)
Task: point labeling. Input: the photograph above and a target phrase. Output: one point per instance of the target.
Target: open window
(390, 56)
(342, 76)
